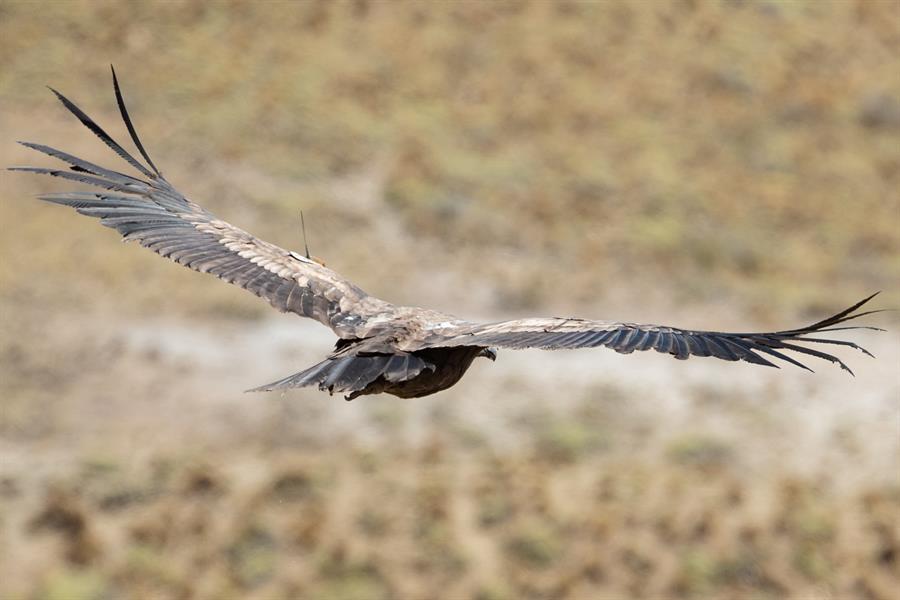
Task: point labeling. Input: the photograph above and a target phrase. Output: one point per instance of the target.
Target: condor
(382, 348)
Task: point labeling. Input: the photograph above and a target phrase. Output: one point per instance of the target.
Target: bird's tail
(352, 373)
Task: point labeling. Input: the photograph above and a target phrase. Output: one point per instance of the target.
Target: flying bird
(381, 348)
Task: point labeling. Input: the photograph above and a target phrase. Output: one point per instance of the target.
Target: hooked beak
(489, 353)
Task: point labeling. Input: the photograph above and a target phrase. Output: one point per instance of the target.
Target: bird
(405, 351)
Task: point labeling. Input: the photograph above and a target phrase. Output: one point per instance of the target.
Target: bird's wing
(559, 333)
(152, 212)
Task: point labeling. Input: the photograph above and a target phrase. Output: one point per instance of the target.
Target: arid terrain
(711, 165)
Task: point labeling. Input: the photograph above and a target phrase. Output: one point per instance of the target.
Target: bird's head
(490, 353)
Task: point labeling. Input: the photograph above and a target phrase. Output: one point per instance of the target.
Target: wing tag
(300, 257)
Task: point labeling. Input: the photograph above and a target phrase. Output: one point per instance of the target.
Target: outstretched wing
(152, 212)
(558, 333)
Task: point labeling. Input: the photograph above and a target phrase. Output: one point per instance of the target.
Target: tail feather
(398, 367)
(351, 373)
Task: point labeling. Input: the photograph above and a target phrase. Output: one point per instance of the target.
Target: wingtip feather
(100, 133)
(120, 101)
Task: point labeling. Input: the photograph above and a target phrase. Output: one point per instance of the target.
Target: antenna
(303, 229)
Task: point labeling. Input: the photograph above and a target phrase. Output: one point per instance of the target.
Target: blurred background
(726, 165)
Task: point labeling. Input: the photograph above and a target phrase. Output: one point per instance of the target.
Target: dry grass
(445, 520)
(705, 163)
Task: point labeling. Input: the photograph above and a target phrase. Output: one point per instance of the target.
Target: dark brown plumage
(382, 348)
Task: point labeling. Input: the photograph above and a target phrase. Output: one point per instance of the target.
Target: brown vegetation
(699, 163)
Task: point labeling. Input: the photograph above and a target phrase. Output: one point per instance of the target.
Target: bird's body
(402, 374)
(382, 348)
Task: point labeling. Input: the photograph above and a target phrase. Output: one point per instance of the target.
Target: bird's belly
(450, 366)
(427, 382)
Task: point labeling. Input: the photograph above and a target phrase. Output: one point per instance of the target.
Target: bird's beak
(489, 353)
